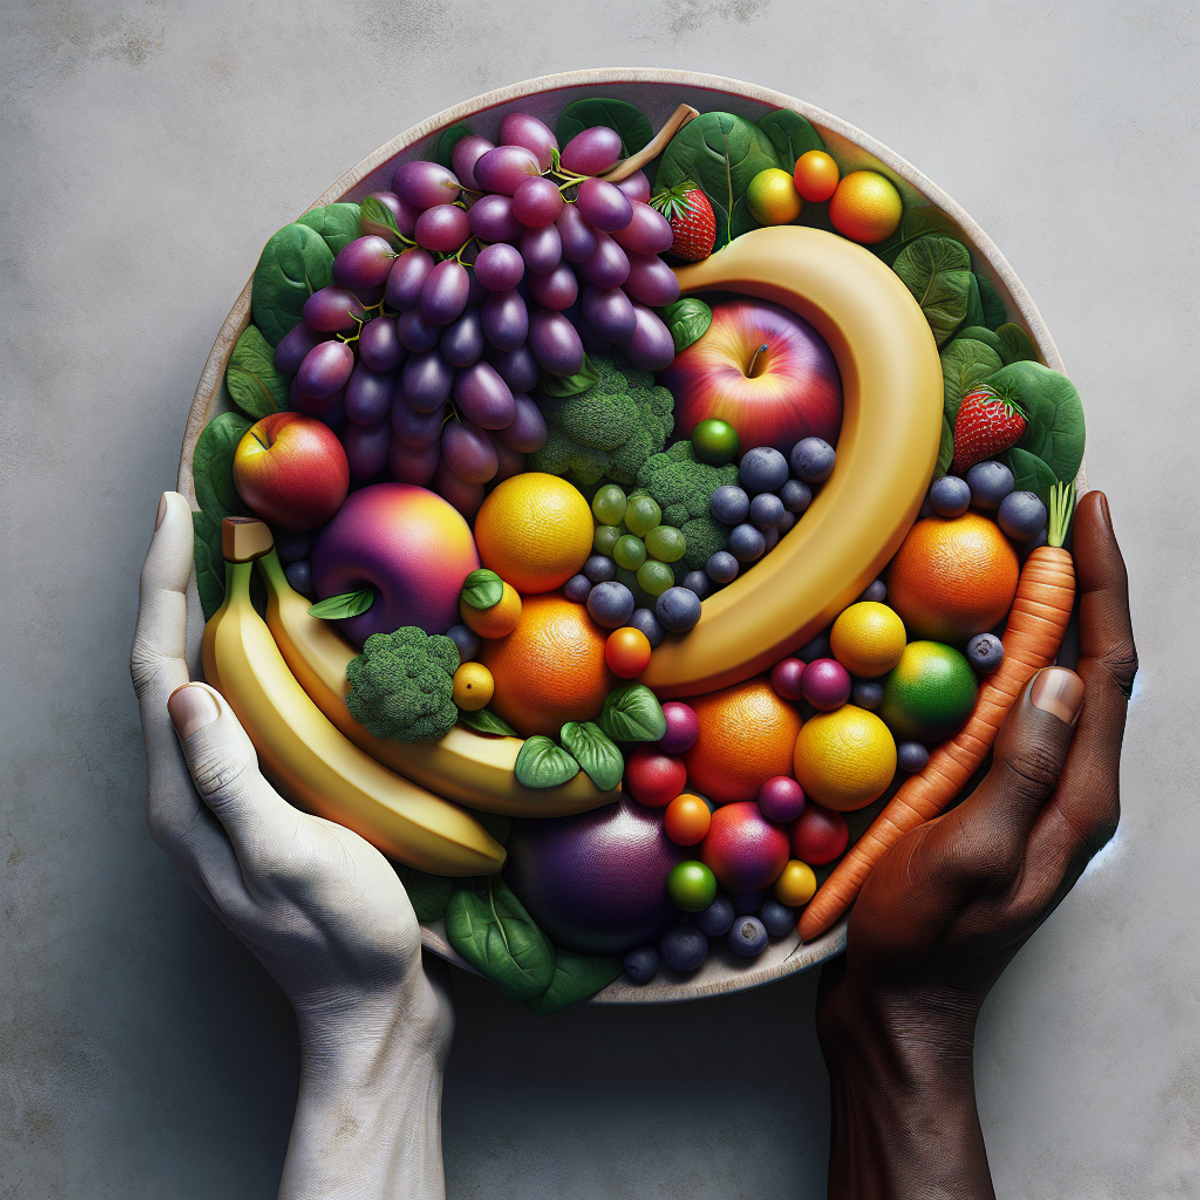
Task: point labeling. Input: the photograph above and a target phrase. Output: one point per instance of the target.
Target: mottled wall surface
(148, 151)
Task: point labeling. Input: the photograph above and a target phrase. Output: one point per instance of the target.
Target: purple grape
(425, 184)
(442, 229)
(368, 395)
(476, 292)
(462, 341)
(558, 290)
(333, 309)
(651, 282)
(651, 347)
(335, 418)
(466, 497)
(379, 345)
(294, 345)
(416, 430)
(577, 236)
(444, 295)
(499, 267)
(365, 262)
(407, 278)
(537, 202)
(469, 452)
(313, 406)
(426, 381)
(609, 266)
(504, 169)
(408, 466)
(527, 433)
(512, 462)
(636, 187)
(593, 343)
(483, 397)
(505, 320)
(603, 205)
(403, 214)
(541, 249)
(648, 231)
(371, 296)
(367, 449)
(609, 312)
(491, 218)
(465, 155)
(415, 333)
(555, 342)
(520, 129)
(593, 151)
(325, 370)
(518, 368)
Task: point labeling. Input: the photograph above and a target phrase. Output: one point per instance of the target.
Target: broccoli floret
(609, 431)
(401, 685)
(683, 487)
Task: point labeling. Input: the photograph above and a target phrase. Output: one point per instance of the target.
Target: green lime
(655, 577)
(666, 543)
(607, 536)
(715, 441)
(691, 886)
(642, 514)
(929, 693)
(630, 552)
(608, 505)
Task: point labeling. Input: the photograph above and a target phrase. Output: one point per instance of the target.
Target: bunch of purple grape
(465, 287)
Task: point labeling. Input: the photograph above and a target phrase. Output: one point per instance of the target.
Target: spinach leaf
(1030, 474)
(486, 722)
(295, 263)
(348, 604)
(542, 764)
(1020, 345)
(1054, 427)
(375, 217)
(595, 752)
(212, 466)
(210, 565)
(687, 319)
(721, 153)
(497, 824)
(916, 223)
(337, 223)
(490, 928)
(563, 386)
(576, 977)
(965, 363)
(449, 140)
(632, 714)
(791, 135)
(482, 589)
(945, 449)
(980, 333)
(254, 384)
(993, 303)
(937, 270)
(429, 894)
(627, 120)
(974, 304)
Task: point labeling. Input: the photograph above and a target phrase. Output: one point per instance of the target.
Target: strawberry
(987, 424)
(692, 220)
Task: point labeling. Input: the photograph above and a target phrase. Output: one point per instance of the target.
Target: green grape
(666, 543)
(630, 552)
(605, 539)
(608, 505)
(641, 597)
(642, 514)
(655, 577)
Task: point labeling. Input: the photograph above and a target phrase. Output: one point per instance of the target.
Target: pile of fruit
(495, 469)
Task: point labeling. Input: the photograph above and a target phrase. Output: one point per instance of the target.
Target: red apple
(765, 371)
(291, 470)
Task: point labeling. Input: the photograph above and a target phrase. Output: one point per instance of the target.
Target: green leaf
(993, 303)
(632, 714)
(1054, 428)
(490, 928)
(1030, 474)
(722, 153)
(542, 764)
(791, 135)
(974, 304)
(486, 722)
(449, 140)
(374, 214)
(965, 363)
(210, 565)
(212, 466)
(687, 319)
(295, 263)
(576, 977)
(348, 604)
(980, 333)
(254, 384)
(429, 894)
(497, 824)
(563, 386)
(1020, 345)
(627, 120)
(482, 589)
(595, 752)
(945, 449)
(338, 224)
(916, 223)
(937, 271)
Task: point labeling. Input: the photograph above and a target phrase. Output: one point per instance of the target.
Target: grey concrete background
(149, 149)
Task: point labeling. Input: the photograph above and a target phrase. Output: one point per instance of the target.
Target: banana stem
(679, 118)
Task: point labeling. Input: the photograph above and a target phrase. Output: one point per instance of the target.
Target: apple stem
(750, 369)
(259, 440)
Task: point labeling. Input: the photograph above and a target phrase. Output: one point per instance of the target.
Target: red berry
(653, 778)
(987, 424)
(692, 220)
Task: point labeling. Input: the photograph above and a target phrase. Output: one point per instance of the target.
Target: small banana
(305, 755)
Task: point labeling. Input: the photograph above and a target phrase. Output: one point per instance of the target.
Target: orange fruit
(866, 207)
(952, 579)
(747, 736)
(845, 758)
(550, 669)
(815, 175)
(535, 531)
(495, 622)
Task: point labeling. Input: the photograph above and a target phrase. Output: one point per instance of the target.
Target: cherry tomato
(819, 835)
(816, 175)
(687, 820)
(797, 885)
(653, 778)
(627, 652)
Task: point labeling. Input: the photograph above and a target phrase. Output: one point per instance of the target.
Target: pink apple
(291, 470)
(765, 371)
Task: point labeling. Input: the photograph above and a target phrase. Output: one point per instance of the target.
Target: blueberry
(577, 588)
(645, 620)
(867, 693)
(641, 965)
(786, 522)
(796, 496)
(778, 918)
(985, 652)
(763, 469)
(748, 937)
(1025, 549)
(747, 903)
(989, 482)
(1021, 515)
(721, 567)
(770, 539)
(299, 575)
(746, 543)
(877, 592)
(292, 544)
(466, 640)
(766, 510)
(599, 568)
(911, 756)
(678, 609)
(926, 510)
(698, 582)
(683, 947)
(729, 504)
(950, 496)
(610, 604)
(813, 459)
(717, 919)
(817, 648)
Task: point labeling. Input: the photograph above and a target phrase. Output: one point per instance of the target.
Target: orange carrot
(1036, 624)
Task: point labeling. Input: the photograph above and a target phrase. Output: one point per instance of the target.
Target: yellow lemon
(868, 639)
(845, 759)
(797, 885)
(772, 197)
(473, 686)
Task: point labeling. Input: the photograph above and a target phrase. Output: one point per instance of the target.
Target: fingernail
(162, 511)
(1058, 692)
(191, 708)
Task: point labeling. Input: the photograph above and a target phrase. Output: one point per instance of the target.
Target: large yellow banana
(891, 427)
(322, 771)
(471, 768)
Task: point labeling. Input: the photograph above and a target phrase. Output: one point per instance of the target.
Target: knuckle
(1121, 663)
(220, 776)
(144, 667)
(1034, 768)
